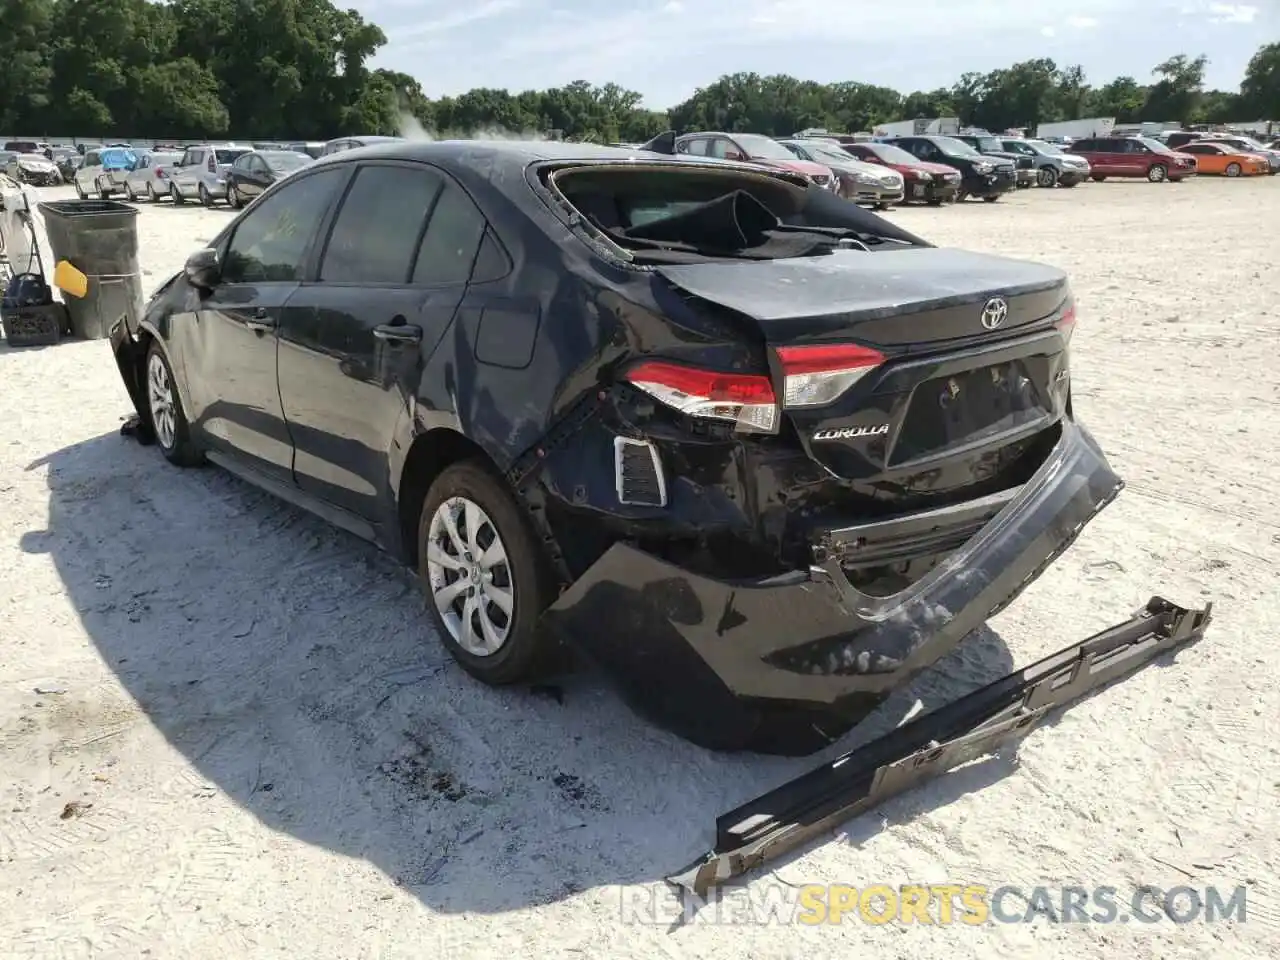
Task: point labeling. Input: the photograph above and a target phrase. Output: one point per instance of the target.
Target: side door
(229, 349)
(259, 175)
(355, 339)
(183, 173)
(87, 174)
(1209, 159)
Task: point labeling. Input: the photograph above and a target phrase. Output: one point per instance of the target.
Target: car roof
(515, 151)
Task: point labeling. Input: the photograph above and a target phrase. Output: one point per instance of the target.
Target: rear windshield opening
(679, 213)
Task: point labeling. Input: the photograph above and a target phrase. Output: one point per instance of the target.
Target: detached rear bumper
(786, 665)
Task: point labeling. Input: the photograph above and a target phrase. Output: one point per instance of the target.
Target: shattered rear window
(686, 211)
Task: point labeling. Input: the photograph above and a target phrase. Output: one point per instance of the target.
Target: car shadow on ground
(293, 667)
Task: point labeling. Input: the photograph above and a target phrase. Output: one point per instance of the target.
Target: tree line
(298, 69)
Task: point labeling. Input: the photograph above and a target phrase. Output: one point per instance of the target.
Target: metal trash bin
(100, 239)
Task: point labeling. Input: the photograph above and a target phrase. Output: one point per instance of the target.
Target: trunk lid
(945, 387)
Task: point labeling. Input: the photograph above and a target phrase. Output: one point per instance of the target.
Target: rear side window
(695, 148)
(377, 230)
(452, 239)
(491, 261)
(91, 159)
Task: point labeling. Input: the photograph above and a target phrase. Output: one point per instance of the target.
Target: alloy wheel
(1047, 176)
(151, 193)
(469, 575)
(160, 395)
(1156, 174)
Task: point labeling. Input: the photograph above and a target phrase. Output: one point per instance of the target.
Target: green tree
(1176, 95)
(1260, 92)
(25, 69)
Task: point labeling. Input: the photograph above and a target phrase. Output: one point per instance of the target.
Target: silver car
(201, 174)
(150, 176)
(33, 168)
(1054, 167)
(859, 181)
(103, 171)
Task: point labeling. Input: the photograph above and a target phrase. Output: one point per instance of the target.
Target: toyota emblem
(994, 313)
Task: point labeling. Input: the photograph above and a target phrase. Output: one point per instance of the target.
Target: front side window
(271, 242)
(377, 230)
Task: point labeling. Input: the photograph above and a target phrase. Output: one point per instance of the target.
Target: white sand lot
(273, 757)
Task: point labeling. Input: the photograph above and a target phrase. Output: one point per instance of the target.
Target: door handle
(398, 332)
(260, 322)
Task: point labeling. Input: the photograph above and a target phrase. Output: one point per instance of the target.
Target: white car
(149, 177)
(32, 168)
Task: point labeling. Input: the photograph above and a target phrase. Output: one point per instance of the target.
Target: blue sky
(666, 48)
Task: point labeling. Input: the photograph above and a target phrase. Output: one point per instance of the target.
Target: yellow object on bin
(70, 280)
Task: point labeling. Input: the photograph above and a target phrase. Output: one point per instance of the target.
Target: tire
(233, 197)
(880, 206)
(934, 203)
(962, 196)
(151, 193)
(1047, 177)
(991, 199)
(1158, 173)
(129, 194)
(1096, 178)
(204, 196)
(164, 410)
(80, 191)
(523, 572)
(176, 194)
(1233, 170)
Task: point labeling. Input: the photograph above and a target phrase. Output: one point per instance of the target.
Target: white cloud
(426, 27)
(673, 6)
(1048, 32)
(1232, 13)
(1082, 23)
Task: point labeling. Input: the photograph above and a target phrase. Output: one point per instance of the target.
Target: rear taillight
(818, 374)
(1066, 321)
(159, 171)
(747, 400)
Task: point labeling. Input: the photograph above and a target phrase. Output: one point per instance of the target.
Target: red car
(934, 183)
(753, 148)
(1133, 157)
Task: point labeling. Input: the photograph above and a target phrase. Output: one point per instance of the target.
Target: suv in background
(201, 174)
(350, 143)
(989, 178)
(992, 146)
(1053, 167)
(1133, 157)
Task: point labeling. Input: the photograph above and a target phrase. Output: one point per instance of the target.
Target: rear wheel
(80, 191)
(233, 197)
(177, 195)
(1047, 176)
(129, 194)
(168, 420)
(205, 197)
(151, 193)
(1158, 173)
(881, 206)
(962, 195)
(1233, 170)
(1098, 178)
(486, 580)
(934, 203)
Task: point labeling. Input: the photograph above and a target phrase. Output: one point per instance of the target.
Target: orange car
(1224, 160)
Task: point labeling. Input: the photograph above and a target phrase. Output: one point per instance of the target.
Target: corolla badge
(852, 433)
(994, 313)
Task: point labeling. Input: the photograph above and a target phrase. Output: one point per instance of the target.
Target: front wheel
(1158, 173)
(1233, 170)
(934, 203)
(486, 580)
(205, 197)
(129, 194)
(168, 420)
(177, 195)
(151, 193)
(1098, 178)
(233, 197)
(1047, 177)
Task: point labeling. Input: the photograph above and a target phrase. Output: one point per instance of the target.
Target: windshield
(285, 162)
(758, 146)
(1040, 146)
(229, 156)
(829, 154)
(955, 147)
(989, 144)
(1155, 145)
(158, 158)
(891, 154)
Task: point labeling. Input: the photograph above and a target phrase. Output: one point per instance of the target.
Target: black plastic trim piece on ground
(998, 715)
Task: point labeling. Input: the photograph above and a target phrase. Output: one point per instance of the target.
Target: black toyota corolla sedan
(759, 452)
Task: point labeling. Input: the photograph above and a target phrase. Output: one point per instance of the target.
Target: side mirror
(203, 269)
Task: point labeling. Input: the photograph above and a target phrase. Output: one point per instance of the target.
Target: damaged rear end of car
(822, 453)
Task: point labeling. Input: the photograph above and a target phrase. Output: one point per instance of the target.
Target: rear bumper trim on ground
(998, 715)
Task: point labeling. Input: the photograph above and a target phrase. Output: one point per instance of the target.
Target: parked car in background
(312, 148)
(103, 172)
(1053, 166)
(931, 183)
(992, 146)
(67, 160)
(201, 174)
(753, 148)
(5, 157)
(150, 175)
(988, 178)
(1248, 145)
(1222, 160)
(33, 168)
(342, 144)
(23, 146)
(253, 172)
(1133, 157)
(858, 181)
(1178, 139)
